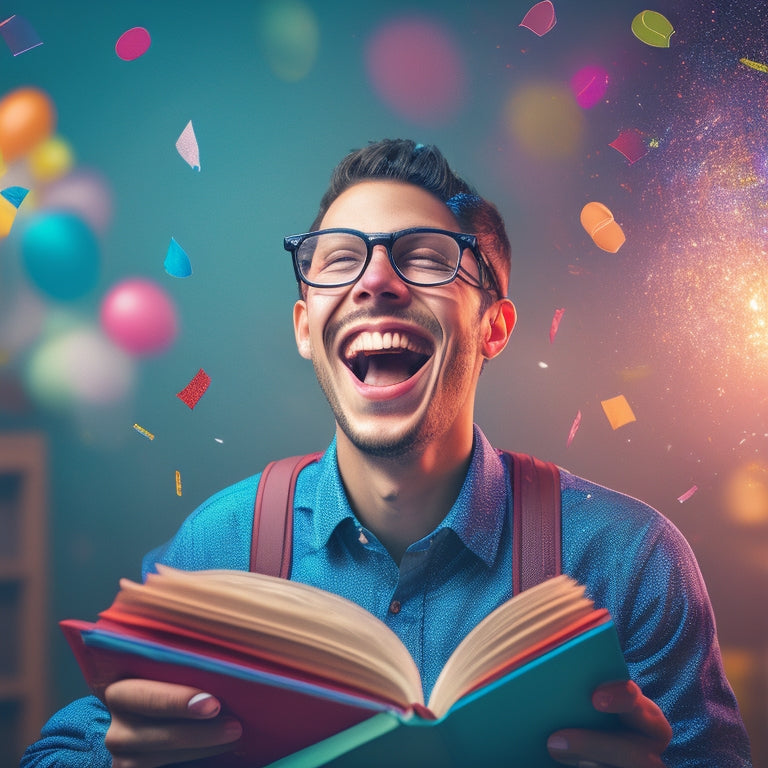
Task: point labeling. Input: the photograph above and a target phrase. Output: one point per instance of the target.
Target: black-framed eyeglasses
(333, 258)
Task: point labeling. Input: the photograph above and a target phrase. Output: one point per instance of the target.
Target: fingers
(155, 724)
(593, 749)
(639, 742)
(164, 700)
(637, 712)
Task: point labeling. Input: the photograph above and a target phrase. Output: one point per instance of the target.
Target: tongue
(387, 369)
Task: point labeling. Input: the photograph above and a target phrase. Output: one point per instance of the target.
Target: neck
(402, 499)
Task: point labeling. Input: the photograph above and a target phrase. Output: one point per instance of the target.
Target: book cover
(291, 721)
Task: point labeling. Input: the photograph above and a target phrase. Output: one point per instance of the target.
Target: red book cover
(277, 722)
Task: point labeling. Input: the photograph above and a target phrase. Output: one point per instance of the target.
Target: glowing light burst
(707, 284)
(711, 305)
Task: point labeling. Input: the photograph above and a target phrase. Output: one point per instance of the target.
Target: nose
(380, 279)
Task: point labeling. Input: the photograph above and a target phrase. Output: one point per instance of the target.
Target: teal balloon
(60, 255)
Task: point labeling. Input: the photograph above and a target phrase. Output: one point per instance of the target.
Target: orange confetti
(618, 411)
(178, 483)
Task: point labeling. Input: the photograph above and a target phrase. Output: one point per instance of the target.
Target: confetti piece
(687, 495)
(754, 65)
(7, 216)
(133, 43)
(555, 324)
(19, 35)
(178, 483)
(652, 29)
(600, 225)
(618, 411)
(187, 147)
(218, 440)
(144, 432)
(542, 364)
(192, 393)
(631, 144)
(14, 195)
(540, 19)
(176, 261)
(574, 429)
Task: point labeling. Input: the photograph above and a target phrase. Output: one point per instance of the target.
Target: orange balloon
(27, 117)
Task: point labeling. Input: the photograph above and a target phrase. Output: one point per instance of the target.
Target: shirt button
(394, 607)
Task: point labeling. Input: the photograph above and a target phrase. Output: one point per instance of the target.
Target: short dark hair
(423, 165)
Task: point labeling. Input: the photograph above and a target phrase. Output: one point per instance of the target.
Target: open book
(316, 678)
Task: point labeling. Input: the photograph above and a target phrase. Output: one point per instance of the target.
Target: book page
(525, 620)
(287, 622)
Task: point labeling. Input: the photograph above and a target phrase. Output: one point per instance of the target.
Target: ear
(301, 329)
(499, 320)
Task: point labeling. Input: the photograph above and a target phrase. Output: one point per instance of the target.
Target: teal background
(267, 147)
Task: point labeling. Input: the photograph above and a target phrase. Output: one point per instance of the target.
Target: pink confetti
(574, 429)
(133, 43)
(192, 393)
(555, 324)
(540, 19)
(19, 35)
(631, 144)
(687, 495)
(187, 147)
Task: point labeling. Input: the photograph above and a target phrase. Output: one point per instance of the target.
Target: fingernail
(557, 743)
(203, 705)
(603, 700)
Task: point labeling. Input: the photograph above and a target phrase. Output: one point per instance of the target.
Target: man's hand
(638, 744)
(157, 724)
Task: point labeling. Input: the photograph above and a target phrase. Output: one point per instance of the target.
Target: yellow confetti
(754, 65)
(618, 411)
(144, 432)
(178, 483)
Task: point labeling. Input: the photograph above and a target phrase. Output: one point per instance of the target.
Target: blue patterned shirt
(633, 561)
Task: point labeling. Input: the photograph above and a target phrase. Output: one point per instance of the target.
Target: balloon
(60, 255)
(27, 118)
(139, 316)
(79, 366)
(51, 159)
(83, 192)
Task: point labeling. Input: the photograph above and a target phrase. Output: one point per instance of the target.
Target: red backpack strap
(536, 520)
(272, 538)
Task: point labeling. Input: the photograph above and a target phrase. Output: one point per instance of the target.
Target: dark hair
(425, 166)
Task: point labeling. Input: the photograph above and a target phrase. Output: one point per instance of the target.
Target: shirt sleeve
(72, 738)
(637, 564)
(216, 535)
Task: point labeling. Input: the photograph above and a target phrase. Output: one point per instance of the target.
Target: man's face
(398, 363)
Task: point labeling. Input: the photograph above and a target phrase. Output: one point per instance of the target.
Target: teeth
(374, 341)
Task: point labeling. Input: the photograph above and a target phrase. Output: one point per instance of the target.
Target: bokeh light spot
(415, 67)
(589, 85)
(545, 120)
(289, 37)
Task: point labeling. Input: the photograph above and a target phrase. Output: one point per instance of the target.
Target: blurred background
(143, 140)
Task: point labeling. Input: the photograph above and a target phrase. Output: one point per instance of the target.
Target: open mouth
(385, 359)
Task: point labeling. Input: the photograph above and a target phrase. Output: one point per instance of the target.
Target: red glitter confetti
(555, 324)
(192, 393)
(574, 429)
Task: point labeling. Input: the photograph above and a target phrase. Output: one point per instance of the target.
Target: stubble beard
(434, 422)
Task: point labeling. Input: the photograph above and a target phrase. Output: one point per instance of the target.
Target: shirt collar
(476, 517)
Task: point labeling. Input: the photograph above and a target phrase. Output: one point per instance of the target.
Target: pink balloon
(139, 316)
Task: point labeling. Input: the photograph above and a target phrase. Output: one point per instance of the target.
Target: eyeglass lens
(336, 258)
